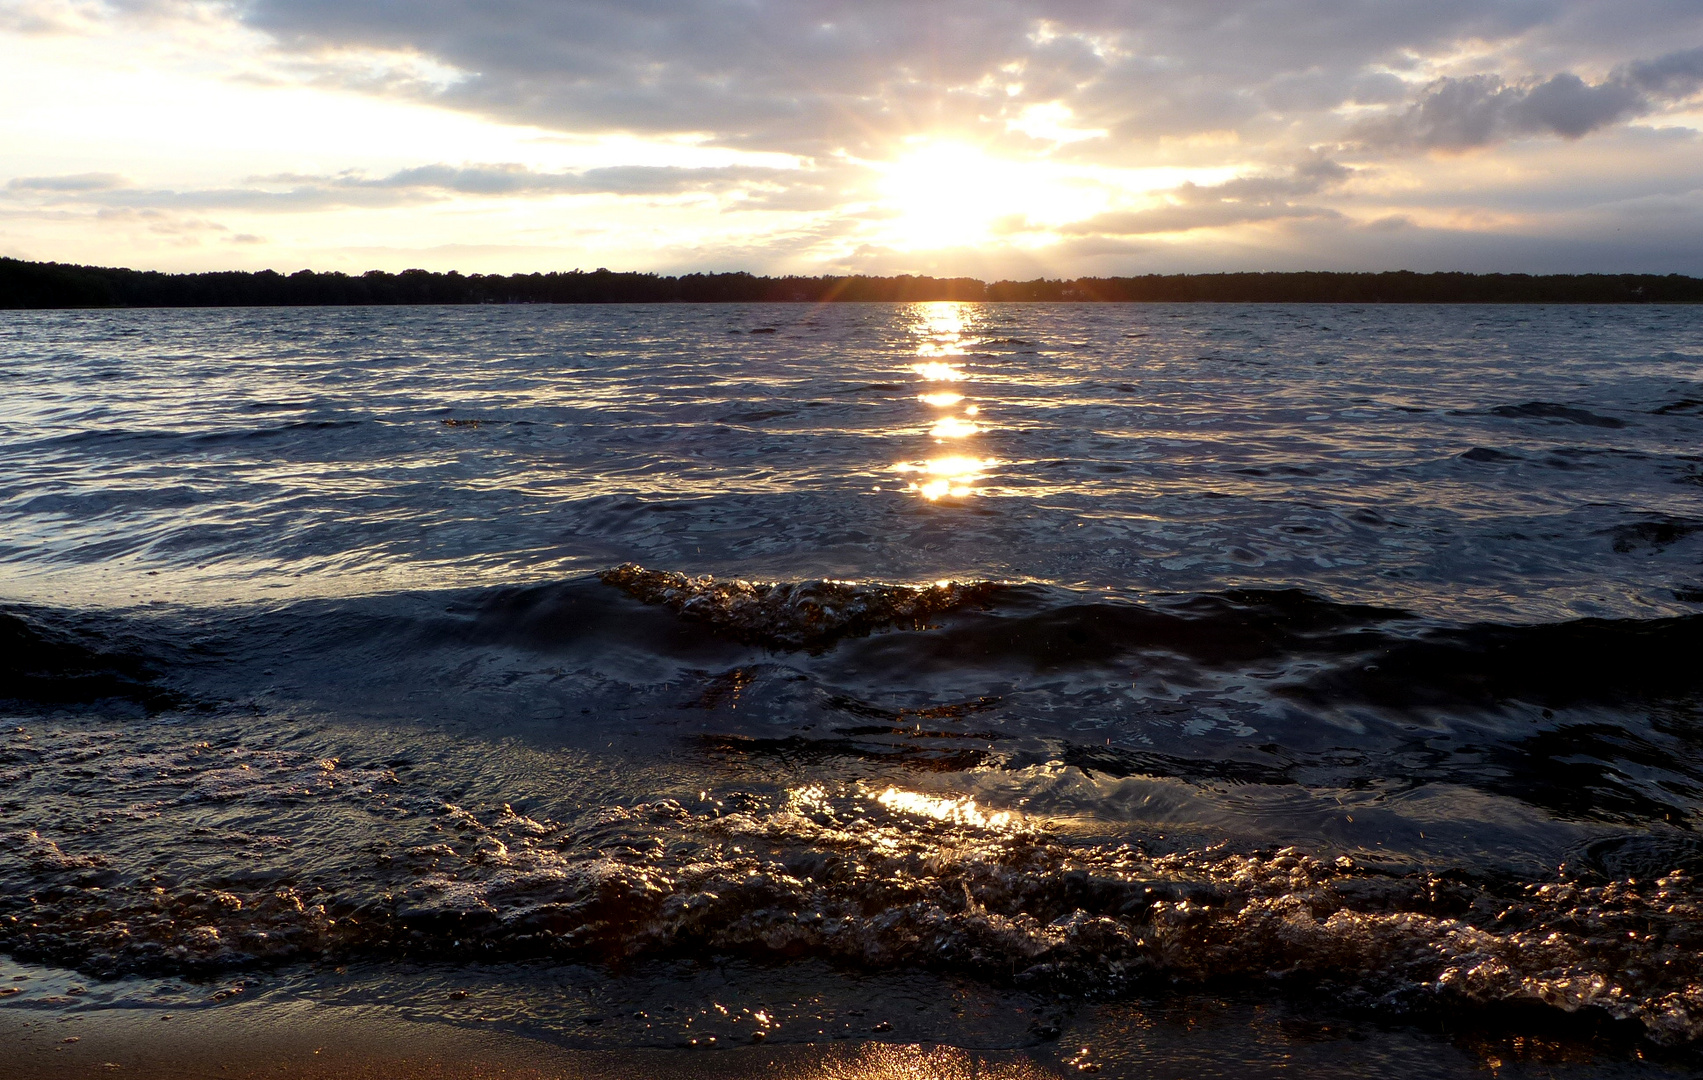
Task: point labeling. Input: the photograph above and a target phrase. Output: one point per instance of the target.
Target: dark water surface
(1005, 676)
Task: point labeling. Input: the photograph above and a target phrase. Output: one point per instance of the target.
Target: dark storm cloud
(812, 75)
(1457, 114)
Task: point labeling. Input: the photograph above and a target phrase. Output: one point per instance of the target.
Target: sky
(991, 138)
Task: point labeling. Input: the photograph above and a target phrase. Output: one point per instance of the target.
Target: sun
(949, 194)
(946, 194)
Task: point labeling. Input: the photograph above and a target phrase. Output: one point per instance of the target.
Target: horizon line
(45, 285)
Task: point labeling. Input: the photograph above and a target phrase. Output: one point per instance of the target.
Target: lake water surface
(1055, 678)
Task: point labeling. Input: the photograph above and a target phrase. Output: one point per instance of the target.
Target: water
(585, 671)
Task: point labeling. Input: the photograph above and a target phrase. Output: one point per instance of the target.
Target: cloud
(301, 192)
(1478, 110)
(813, 75)
(78, 182)
(610, 180)
(846, 88)
(1674, 77)
(49, 16)
(1237, 201)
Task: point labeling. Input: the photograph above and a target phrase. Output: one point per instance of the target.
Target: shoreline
(47, 285)
(308, 1041)
(1187, 1037)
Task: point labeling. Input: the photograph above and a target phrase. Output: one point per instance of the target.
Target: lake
(1042, 680)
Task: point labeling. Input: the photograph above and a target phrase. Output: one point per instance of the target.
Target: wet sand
(317, 1043)
(1194, 1038)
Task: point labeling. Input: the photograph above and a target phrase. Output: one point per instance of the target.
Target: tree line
(62, 285)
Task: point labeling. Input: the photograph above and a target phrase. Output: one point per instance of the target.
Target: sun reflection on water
(946, 345)
(939, 329)
(814, 800)
(809, 799)
(952, 427)
(940, 318)
(946, 475)
(938, 371)
(960, 811)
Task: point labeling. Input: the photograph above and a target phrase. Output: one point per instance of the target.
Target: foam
(880, 877)
(797, 615)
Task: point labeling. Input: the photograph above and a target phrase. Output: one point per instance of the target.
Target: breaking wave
(796, 615)
(50, 666)
(875, 877)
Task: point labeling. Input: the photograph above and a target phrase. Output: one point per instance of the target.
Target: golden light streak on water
(952, 427)
(952, 475)
(945, 347)
(959, 811)
(810, 799)
(939, 371)
(940, 318)
(900, 1061)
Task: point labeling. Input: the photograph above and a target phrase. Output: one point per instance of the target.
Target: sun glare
(948, 194)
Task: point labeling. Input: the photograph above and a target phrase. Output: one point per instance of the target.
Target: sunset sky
(996, 138)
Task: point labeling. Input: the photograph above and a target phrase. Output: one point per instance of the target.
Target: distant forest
(61, 285)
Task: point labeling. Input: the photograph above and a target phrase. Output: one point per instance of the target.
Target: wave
(1583, 661)
(796, 615)
(45, 666)
(882, 878)
(1334, 653)
(840, 862)
(1289, 648)
(1549, 410)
